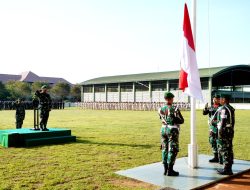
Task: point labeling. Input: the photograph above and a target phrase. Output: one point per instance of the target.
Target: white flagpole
(193, 148)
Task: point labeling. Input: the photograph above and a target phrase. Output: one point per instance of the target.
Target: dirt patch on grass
(131, 183)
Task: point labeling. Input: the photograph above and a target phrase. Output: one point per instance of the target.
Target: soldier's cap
(226, 96)
(44, 87)
(168, 95)
(216, 96)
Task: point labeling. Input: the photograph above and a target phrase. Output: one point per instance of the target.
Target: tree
(18, 89)
(60, 90)
(75, 93)
(3, 92)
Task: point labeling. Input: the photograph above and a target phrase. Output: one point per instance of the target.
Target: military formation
(221, 132)
(135, 106)
(28, 105)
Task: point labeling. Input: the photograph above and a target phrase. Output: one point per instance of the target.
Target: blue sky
(83, 39)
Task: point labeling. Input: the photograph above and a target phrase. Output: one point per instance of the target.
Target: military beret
(44, 87)
(168, 95)
(226, 96)
(216, 96)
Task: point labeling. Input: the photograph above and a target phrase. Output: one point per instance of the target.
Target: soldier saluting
(171, 120)
(45, 106)
(213, 130)
(226, 121)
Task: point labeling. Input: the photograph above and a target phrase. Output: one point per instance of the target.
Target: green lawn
(107, 141)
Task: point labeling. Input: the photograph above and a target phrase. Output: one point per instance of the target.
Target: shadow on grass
(113, 144)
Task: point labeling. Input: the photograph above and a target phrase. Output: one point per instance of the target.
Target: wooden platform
(28, 137)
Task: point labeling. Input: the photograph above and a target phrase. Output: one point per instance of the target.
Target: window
(174, 85)
(99, 88)
(204, 83)
(87, 89)
(141, 86)
(159, 86)
(112, 87)
(126, 87)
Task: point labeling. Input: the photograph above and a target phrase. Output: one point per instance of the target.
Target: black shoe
(171, 172)
(215, 159)
(226, 171)
(165, 169)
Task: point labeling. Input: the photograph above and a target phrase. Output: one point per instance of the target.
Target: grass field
(107, 141)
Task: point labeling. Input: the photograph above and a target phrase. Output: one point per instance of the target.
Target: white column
(119, 92)
(106, 93)
(82, 94)
(150, 90)
(167, 85)
(93, 93)
(134, 95)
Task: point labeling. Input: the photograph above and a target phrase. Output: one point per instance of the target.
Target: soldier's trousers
(44, 115)
(169, 144)
(213, 136)
(19, 123)
(225, 149)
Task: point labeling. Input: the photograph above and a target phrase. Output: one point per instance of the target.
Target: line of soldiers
(136, 106)
(221, 131)
(28, 105)
(221, 125)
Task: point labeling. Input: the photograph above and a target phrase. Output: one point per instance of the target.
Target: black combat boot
(226, 171)
(165, 169)
(171, 172)
(41, 127)
(215, 158)
(220, 160)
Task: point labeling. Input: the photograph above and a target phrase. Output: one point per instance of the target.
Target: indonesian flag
(189, 80)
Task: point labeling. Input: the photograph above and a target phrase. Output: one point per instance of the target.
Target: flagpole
(193, 148)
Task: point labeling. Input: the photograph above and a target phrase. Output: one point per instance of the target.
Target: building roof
(156, 76)
(31, 77)
(5, 77)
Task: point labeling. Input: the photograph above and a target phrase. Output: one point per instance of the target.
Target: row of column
(119, 91)
(134, 90)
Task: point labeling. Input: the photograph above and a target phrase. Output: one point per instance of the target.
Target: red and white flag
(189, 80)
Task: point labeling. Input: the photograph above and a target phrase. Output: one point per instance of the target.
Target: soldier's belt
(172, 127)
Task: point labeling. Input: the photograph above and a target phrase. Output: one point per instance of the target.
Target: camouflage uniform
(213, 130)
(45, 106)
(171, 120)
(20, 113)
(226, 121)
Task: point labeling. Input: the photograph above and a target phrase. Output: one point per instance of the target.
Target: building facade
(150, 87)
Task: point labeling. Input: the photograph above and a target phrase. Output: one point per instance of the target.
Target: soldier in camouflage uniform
(212, 122)
(20, 113)
(226, 121)
(171, 119)
(45, 106)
